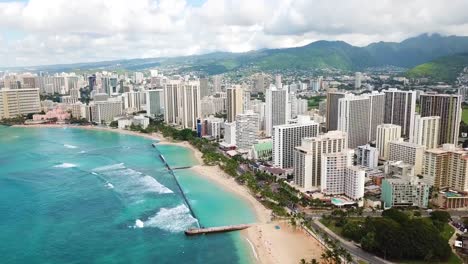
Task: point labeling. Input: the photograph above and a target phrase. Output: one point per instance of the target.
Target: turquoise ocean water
(80, 196)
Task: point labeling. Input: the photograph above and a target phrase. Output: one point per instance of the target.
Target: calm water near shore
(83, 196)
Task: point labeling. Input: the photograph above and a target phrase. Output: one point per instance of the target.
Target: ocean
(81, 196)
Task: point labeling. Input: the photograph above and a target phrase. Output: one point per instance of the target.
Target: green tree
(114, 124)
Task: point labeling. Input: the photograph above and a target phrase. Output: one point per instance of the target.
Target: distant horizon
(2, 68)
(35, 32)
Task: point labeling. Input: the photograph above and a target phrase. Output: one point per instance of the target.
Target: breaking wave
(129, 181)
(70, 146)
(177, 219)
(65, 165)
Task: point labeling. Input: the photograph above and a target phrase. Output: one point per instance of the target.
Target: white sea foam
(70, 146)
(139, 224)
(154, 185)
(94, 173)
(110, 167)
(109, 185)
(174, 220)
(65, 165)
(130, 182)
(81, 152)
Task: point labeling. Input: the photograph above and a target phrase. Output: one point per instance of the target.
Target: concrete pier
(211, 230)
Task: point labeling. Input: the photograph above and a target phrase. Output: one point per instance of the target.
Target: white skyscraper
(230, 133)
(287, 137)
(246, 130)
(359, 117)
(426, 131)
(385, 134)
(307, 157)
(276, 112)
(333, 172)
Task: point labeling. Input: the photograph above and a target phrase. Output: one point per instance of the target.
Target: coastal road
(351, 247)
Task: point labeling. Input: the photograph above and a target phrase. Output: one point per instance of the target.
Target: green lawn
(465, 115)
(313, 102)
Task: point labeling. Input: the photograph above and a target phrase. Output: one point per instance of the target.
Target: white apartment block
(14, 102)
(276, 108)
(367, 156)
(230, 133)
(354, 182)
(105, 111)
(385, 134)
(246, 130)
(340, 177)
(407, 152)
(333, 172)
(307, 157)
(426, 131)
(287, 137)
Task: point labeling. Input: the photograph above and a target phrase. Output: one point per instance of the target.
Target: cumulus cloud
(63, 31)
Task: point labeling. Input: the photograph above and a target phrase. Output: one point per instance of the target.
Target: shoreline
(266, 238)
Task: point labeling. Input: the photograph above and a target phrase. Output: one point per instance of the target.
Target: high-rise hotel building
(276, 108)
(332, 109)
(15, 102)
(448, 107)
(359, 117)
(385, 134)
(426, 131)
(307, 157)
(182, 103)
(287, 137)
(234, 102)
(400, 108)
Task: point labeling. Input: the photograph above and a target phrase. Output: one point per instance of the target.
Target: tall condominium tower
(448, 107)
(287, 137)
(153, 102)
(400, 108)
(276, 111)
(234, 102)
(426, 131)
(332, 109)
(359, 117)
(385, 134)
(182, 103)
(246, 130)
(307, 157)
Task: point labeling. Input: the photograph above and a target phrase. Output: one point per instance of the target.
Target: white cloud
(63, 31)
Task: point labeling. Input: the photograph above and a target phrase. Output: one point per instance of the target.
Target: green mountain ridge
(445, 69)
(316, 55)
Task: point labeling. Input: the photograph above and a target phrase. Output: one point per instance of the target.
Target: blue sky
(38, 32)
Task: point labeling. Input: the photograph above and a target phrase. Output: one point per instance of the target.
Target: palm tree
(303, 261)
(313, 261)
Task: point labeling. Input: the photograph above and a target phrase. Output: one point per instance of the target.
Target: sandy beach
(271, 241)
